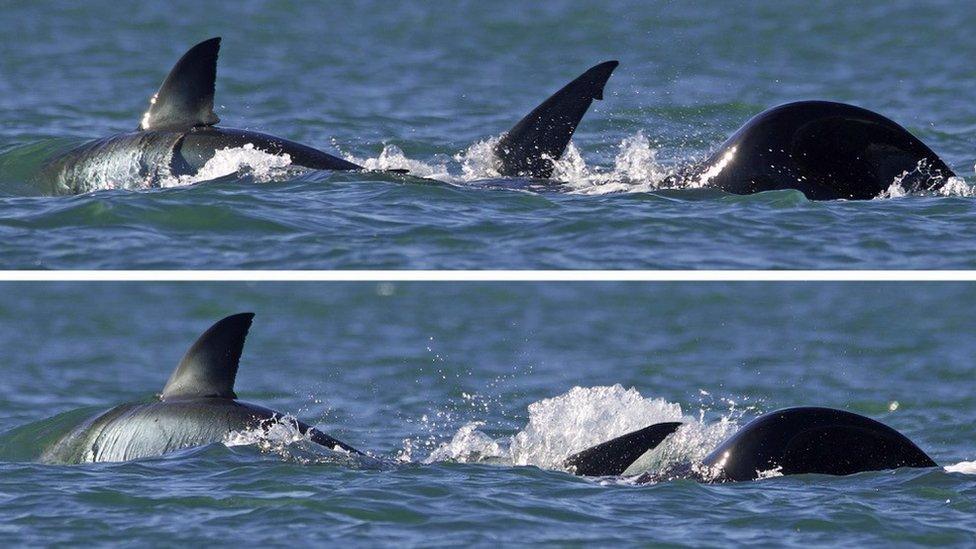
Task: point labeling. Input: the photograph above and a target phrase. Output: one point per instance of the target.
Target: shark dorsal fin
(532, 146)
(209, 368)
(185, 99)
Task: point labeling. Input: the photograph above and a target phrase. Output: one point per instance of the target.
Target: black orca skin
(792, 441)
(826, 150)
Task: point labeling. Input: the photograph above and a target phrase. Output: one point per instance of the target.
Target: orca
(197, 407)
(791, 441)
(537, 141)
(178, 134)
(825, 150)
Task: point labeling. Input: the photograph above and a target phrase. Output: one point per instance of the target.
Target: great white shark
(178, 134)
(197, 407)
(792, 441)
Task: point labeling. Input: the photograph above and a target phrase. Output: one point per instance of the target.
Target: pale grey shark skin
(197, 407)
(177, 135)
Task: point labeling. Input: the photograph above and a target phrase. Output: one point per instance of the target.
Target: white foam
(246, 160)
(478, 161)
(561, 426)
(964, 467)
(468, 445)
(283, 437)
(393, 158)
(689, 444)
(635, 167)
(269, 435)
(953, 186)
(582, 417)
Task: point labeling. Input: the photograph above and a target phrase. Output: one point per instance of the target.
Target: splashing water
(393, 158)
(283, 437)
(479, 161)
(246, 160)
(964, 467)
(635, 168)
(953, 186)
(268, 435)
(561, 426)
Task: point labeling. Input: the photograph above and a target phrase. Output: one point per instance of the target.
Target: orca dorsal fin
(613, 457)
(209, 368)
(531, 147)
(185, 99)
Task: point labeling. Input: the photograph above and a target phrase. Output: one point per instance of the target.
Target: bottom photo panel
(448, 413)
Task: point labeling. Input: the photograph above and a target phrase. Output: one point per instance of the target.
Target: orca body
(792, 441)
(178, 134)
(197, 407)
(826, 150)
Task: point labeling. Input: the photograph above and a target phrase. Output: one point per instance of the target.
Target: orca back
(806, 440)
(826, 150)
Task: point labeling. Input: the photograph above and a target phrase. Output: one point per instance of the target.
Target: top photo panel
(563, 134)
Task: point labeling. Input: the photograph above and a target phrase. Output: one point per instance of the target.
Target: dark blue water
(422, 86)
(434, 379)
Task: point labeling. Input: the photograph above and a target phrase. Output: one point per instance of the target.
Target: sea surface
(468, 395)
(426, 86)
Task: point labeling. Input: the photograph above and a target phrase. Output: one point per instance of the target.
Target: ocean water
(426, 86)
(468, 396)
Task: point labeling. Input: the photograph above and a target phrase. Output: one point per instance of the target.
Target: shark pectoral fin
(210, 366)
(323, 439)
(185, 99)
(531, 146)
(614, 456)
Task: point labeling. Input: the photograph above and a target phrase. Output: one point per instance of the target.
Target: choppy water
(420, 86)
(431, 378)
